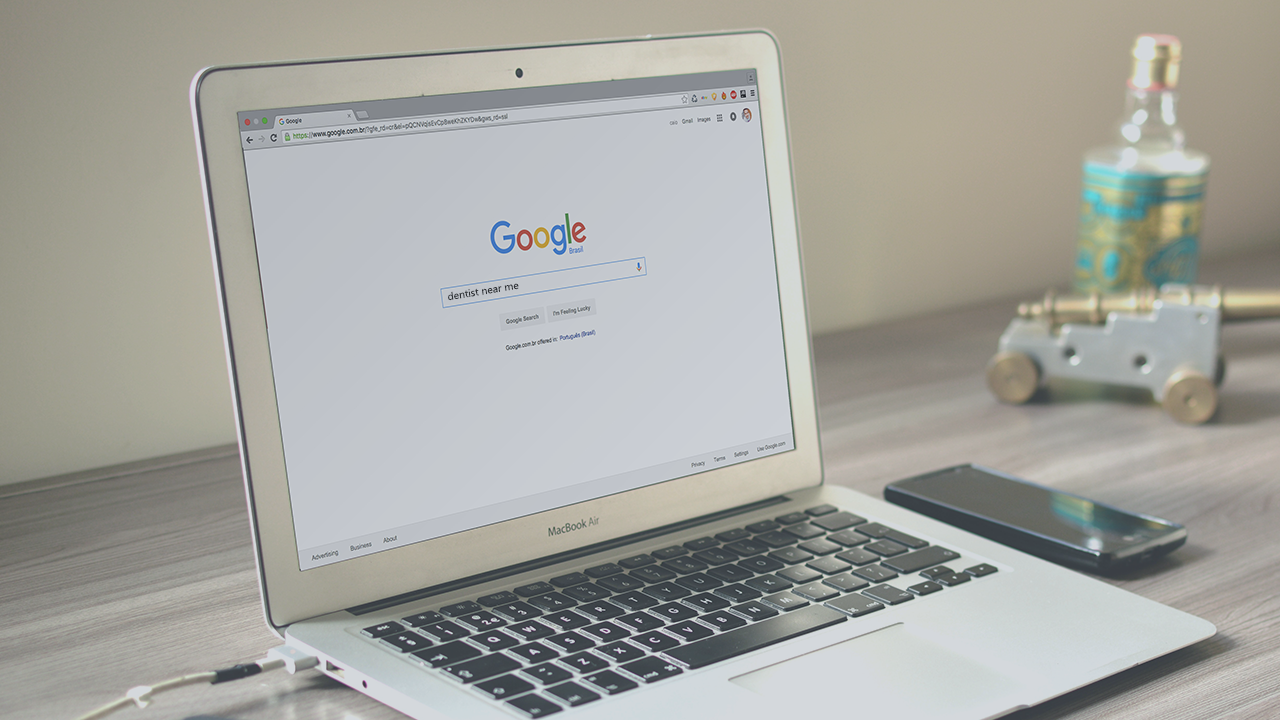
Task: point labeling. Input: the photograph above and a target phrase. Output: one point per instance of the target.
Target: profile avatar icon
(746, 114)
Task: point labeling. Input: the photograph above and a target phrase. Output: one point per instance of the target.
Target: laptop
(524, 391)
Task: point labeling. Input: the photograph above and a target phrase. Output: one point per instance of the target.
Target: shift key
(753, 637)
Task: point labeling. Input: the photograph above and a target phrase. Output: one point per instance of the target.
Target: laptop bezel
(217, 94)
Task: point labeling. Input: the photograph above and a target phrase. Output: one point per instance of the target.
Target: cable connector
(292, 658)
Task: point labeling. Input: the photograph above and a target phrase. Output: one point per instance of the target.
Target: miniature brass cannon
(1166, 340)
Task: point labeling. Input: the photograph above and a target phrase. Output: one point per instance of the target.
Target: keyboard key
(636, 561)
(571, 641)
(981, 569)
(690, 630)
(701, 544)
(551, 602)
(705, 602)
(447, 654)
(445, 631)
(653, 574)
(498, 598)
(620, 583)
(792, 518)
(423, 618)
(924, 588)
(953, 579)
(855, 604)
(875, 573)
(815, 591)
(747, 548)
(763, 526)
(531, 630)
(667, 553)
(605, 570)
(621, 652)
(888, 594)
(573, 694)
(737, 593)
(381, 629)
(517, 611)
(567, 620)
(584, 662)
(716, 556)
(828, 565)
(666, 591)
(729, 536)
(846, 582)
(857, 556)
(768, 583)
(876, 530)
(920, 559)
(777, 539)
(799, 575)
(633, 601)
(610, 682)
(885, 548)
(496, 640)
(823, 509)
(723, 620)
(652, 669)
(575, 578)
(655, 641)
(804, 531)
(538, 588)
(504, 687)
(730, 573)
(547, 674)
(483, 620)
(606, 632)
(755, 636)
(674, 612)
(684, 566)
(698, 582)
(406, 641)
(535, 652)
(847, 538)
(761, 564)
(754, 611)
(838, 521)
(820, 546)
(932, 573)
(641, 622)
(785, 601)
(481, 668)
(601, 610)
(791, 555)
(534, 706)
(462, 608)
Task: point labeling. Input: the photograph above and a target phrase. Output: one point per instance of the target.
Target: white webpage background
(395, 410)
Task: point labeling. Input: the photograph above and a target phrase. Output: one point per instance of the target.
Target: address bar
(429, 123)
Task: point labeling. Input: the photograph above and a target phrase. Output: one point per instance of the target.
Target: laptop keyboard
(549, 646)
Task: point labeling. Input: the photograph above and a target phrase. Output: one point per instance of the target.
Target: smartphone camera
(519, 72)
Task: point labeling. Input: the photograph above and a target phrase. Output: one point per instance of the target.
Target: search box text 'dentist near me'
(542, 282)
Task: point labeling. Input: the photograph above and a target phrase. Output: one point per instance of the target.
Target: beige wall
(936, 150)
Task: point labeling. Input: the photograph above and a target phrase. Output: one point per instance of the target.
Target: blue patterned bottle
(1143, 198)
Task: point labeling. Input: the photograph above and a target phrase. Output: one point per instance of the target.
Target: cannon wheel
(1190, 397)
(1013, 377)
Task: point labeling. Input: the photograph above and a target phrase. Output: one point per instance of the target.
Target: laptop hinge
(559, 557)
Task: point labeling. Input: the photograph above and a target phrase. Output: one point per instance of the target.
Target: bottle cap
(1155, 62)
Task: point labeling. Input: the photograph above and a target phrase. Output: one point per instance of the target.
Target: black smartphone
(1057, 526)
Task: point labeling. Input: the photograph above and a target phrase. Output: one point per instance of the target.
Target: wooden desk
(131, 575)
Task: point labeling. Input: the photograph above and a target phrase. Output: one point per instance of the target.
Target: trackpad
(892, 669)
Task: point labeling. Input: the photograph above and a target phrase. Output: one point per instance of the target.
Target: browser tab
(317, 119)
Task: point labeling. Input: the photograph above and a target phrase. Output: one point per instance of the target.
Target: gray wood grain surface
(134, 574)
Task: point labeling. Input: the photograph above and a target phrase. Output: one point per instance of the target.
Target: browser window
(485, 306)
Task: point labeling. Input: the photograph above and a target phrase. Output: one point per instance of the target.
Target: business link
(394, 127)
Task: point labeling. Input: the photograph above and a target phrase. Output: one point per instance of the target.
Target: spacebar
(753, 637)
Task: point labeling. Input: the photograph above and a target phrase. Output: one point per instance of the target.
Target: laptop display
(477, 303)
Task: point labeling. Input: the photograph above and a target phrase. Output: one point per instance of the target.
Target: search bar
(543, 282)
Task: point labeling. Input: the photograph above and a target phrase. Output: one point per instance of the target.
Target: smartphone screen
(967, 495)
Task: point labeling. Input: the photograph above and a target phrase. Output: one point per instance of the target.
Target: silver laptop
(522, 376)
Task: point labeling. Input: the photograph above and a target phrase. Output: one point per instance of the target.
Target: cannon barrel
(1234, 305)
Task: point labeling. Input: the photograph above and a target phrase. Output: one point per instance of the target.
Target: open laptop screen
(487, 305)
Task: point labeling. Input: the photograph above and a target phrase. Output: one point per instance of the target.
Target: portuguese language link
(551, 339)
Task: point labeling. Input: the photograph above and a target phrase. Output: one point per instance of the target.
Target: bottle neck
(1150, 120)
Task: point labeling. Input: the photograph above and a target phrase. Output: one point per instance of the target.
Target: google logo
(557, 237)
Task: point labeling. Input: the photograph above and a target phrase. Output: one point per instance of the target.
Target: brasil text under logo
(560, 238)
